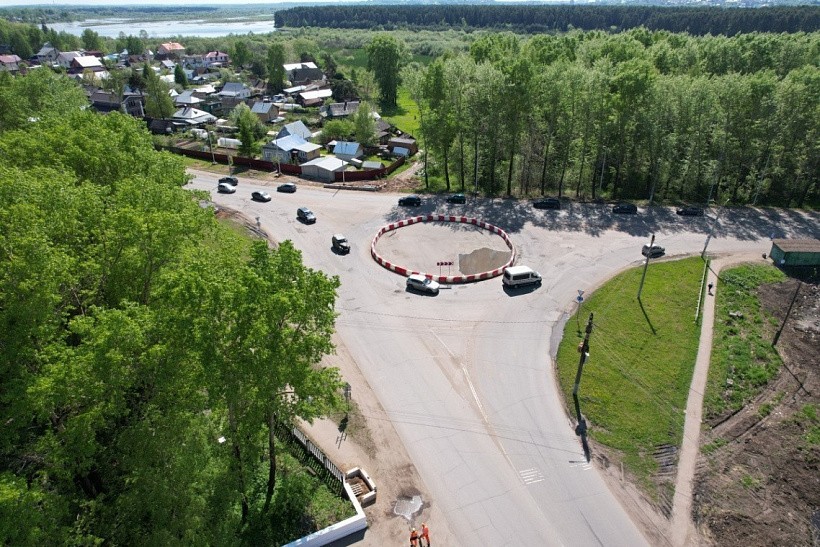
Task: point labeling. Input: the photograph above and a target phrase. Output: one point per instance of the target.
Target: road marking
(584, 466)
(531, 476)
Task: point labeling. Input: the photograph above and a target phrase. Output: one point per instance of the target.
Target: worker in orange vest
(414, 538)
(425, 535)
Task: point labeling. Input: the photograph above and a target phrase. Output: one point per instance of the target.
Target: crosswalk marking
(531, 476)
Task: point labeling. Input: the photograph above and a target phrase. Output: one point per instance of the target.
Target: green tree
(241, 54)
(385, 57)
(158, 103)
(250, 130)
(91, 40)
(364, 125)
(275, 61)
(179, 76)
(340, 130)
(40, 95)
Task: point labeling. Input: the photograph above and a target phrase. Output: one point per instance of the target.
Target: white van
(518, 276)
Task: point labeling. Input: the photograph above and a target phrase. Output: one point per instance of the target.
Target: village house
(10, 63)
(65, 57)
(348, 151)
(323, 168)
(297, 128)
(85, 62)
(47, 55)
(266, 111)
(339, 110)
(290, 149)
(216, 58)
(170, 50)
(193, 117)
(187, 98)
(313, 98)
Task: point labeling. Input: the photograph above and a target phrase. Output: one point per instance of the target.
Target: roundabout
(476, 249)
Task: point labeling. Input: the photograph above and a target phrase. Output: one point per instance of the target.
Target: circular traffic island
(448, 249)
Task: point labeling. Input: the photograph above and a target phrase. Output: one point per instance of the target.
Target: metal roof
(798, 245)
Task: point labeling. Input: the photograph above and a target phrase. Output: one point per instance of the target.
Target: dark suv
(411, 200)
(305, 215)
(340, 244)
(625, 208)
(457, 198)
(547, 203)
(233, 181)
(653, 252)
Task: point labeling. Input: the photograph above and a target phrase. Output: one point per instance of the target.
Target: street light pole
(211, 146)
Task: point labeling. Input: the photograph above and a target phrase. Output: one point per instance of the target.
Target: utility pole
(782, 325)
(646, 264)
(581, 428)
(712, 231)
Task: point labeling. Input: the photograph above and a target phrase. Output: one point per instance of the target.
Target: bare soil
(763, 486)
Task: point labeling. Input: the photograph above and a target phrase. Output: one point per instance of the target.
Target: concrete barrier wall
(449, 279)
(336, 531)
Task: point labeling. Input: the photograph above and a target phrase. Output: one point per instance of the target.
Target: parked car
(418, 282)
(225, 188)
(340, 244)
(457, 198)
(653, 252)
(410, 201)
(233, 181)
(691, 211)
(287, 188)
(305, 215)
(260, 196)
(625, 208)
(547, 203)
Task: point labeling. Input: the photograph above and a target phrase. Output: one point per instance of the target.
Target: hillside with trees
(148, 351)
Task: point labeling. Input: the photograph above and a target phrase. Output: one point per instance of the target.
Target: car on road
(457, 198)
(340, 244)
(418, 282)
(690, 211)
(260, 196)
(233, 181)
(653, 251)
(410, 201)
(225, 188)
(287, 188)
(305, 215)
(625, 208)
(547, 203)
(520, 276)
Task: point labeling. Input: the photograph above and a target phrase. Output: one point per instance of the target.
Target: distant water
(165, 29)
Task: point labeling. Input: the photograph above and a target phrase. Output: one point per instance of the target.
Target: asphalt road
(466, 377)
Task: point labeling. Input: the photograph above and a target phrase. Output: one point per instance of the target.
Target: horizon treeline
(540, 18)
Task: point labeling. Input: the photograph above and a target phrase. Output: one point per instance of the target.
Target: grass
(743, 359)
(714, 445)
(636, 380)
(405, 114)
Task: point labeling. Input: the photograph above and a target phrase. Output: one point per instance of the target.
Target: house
(297, 128)
(106, 101)
(170, 50)
(64, 58)
(266, 111)
(290, 67)
(193, 116)
(290, 149)
(295, 90)
(383, 131)
(313, 98)
(47, 54)
(234, 90)
(348, 150)
(323, 169)
(167, 64)
(187, 98)
(219, 58)
(403, 146)
(339, 110)
(85, 62)
(304, 75)
(372, 165)
(10, 63)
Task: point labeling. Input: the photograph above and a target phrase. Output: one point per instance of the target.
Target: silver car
(420, 283)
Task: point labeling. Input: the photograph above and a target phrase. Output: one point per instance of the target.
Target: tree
(179, 76)
(241, 55)
(364, 125)
(250, 129)
(385, 57)
(343, 90)
(336, 130)
(158, 103)
(275, 61)
(40, 95)
(91, 40)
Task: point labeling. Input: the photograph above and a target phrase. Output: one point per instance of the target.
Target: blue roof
(290, 142)
(295, 128)
(347, 148)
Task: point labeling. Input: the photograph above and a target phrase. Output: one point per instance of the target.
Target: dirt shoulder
(758, 482)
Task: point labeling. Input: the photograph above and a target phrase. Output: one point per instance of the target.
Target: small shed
(795, 252)
(345, 150)
(408, 144)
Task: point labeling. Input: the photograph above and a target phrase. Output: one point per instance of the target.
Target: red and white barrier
(449, 279)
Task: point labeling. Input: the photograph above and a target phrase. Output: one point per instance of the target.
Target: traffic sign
(579, 298)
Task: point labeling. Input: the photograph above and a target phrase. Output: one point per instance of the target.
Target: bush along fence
(312, 456)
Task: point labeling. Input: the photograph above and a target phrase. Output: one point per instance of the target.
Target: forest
(148, 351)
(637, 115)
(543, 18)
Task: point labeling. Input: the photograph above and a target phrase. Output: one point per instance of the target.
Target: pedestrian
(414, 538)
(711, 285)
(425, 535)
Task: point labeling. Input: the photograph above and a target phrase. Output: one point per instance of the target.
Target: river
(206, 28)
